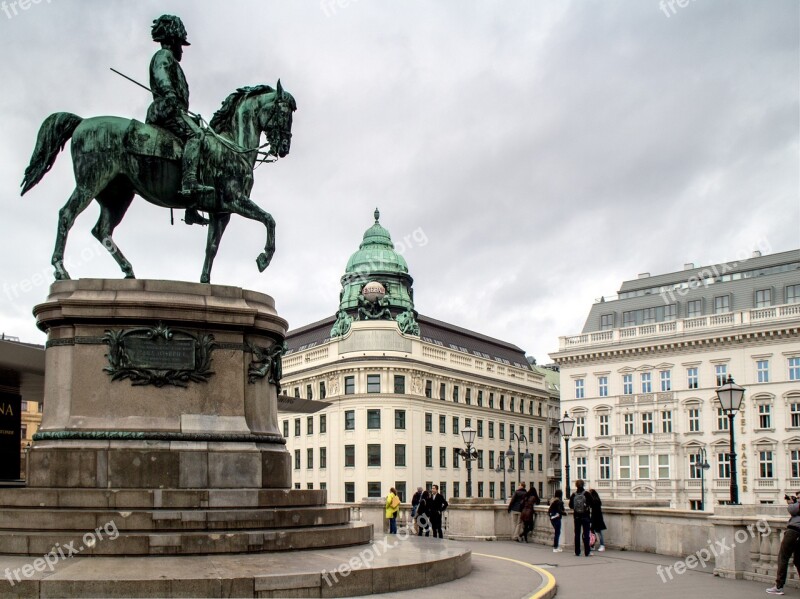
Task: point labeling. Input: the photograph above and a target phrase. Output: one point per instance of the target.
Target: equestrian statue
(173, 160)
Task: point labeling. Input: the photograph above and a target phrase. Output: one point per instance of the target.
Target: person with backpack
(580, 502)
(556, 512)
(392, 507)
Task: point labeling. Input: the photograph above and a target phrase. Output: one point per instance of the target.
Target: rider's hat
(169, 28)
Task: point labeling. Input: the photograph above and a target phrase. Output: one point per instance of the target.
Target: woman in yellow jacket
(392, 507)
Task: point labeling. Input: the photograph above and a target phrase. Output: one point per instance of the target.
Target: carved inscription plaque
(173, 354)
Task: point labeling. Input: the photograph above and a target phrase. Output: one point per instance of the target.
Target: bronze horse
(115, 158)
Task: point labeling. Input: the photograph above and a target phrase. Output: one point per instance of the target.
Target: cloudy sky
(529, 156)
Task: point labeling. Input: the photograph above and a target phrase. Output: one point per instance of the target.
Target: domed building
(400, 389)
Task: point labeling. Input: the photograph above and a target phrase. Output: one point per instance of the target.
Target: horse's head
(275, 120)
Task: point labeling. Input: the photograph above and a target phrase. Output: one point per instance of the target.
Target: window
(455, 459)
(666, 421)
(373, 419)
(625, 467)
(480, 429)
(694, 420)
(400, 455)
(722, 304)
(693, 379)
(578, 388)
(428, 389)
(491, 400)
(722, 420)
(399, 419)
(629, 319)
(765, 464)
(647, 423)
(480, 459)
(373, 383)
(373, 454)
(323, 424)
(309, 392)
(606, 322)
(323, 457)
(349, 385)
(428, 456)
(723, 465)
(491, 429)
(647, 383)
(428, 422)
(602, 386)
(310, 458)
(694, 308)
(764, 415)
(309, 425)
(721, 372)
(502, 430)
(794, 411)
(455, 393)
(323, 486)
(627, 384)
(539, 462)
(539, 435)
(442, 391)
(456, 489)
(580, 467)
(349, 492)
(491, 459)
(794, 460)
(604, 425)
(400, 487)
(23, 406)
(297, 459)
(468, 396)
(374, 489)
(648, 315)
(694, 465)
(349, 456)
(762, 371)
(285, 428)
(322, 392)
(491, 490)
(23, 431)
(628, 424)
(792, 294)
(480, 489)
(399, 383)
(297, 393)
(605, 467)
(455, 425)
(480, 399)
(580, 427)
(763, 298)
(644, 467)
(666, 380)
(296, 427)
(443, 488)
(670, 312)
(663, 466)
(442, 457)
(794, 369)
(443, 424)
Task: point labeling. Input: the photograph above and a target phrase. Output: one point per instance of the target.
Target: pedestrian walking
(438, 506)
(556, 513)
(391, 509)
(580, 502)
(424, 514)
(515, 509)
(790, 546)
(415, 504)
(528, 514)
(598, 524)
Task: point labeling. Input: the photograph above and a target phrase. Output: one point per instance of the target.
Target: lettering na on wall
(10, 425)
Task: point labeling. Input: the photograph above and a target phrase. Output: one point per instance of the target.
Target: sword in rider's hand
(124, 76)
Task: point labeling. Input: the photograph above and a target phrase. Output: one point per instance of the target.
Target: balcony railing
(681, 326)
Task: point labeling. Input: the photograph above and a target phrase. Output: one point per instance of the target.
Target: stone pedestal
(159, 384)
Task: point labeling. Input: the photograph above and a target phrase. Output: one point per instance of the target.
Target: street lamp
(468, 434)
(730, 397)
(703, 465)
(501, 467)
(520, 458)
(566, 425)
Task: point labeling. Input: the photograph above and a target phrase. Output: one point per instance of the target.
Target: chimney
(688, 266)
(756, 254)
(644, 275)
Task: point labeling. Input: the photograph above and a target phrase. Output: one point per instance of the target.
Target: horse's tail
(53, 134)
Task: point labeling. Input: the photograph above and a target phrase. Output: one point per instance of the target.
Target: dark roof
(443, 334)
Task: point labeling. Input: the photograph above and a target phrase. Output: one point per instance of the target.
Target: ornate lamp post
(703, 465)
(501, 467)
(566, 425)
(520, 458)
(730, 397)
(468, 434)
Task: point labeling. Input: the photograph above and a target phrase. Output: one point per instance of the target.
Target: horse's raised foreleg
(77, 203)
(215, 230)
(114, 201)
(247, 208)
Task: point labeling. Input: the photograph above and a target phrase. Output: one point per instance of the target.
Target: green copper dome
(376, 253)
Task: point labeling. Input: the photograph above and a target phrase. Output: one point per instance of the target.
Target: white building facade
(640, 381)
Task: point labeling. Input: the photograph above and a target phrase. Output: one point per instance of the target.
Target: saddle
(150, 140)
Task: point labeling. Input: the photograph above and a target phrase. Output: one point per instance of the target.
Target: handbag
(395, 502)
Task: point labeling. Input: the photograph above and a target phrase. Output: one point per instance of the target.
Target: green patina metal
(267, 363)
(376, 261)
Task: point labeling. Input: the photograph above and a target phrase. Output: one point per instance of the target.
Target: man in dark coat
(580, 502)
(438, 505)
(515, 509)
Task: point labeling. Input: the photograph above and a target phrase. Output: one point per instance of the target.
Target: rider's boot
(190, 187)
